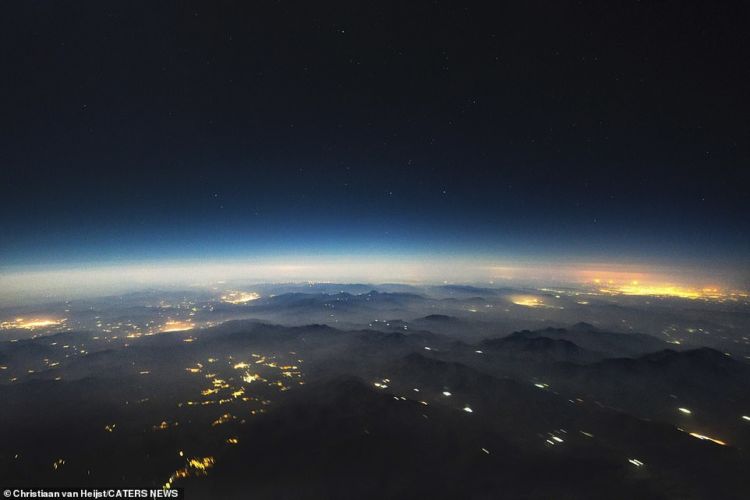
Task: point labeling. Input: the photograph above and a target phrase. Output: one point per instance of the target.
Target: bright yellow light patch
(177, 326)
(527, 300)
(655, 290)
(251, 377)
(31, 323)
(239, 297)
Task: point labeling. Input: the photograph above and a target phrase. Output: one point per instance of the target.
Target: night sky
(608, 131)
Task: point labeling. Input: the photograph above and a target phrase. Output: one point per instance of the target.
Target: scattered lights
(685, 411)
(554, 439)
(636, 462)
(383, 384)
(194, 466)
(219, 383)
(201, 464)
(239, 297)
(232, 440)
(110, 428)
(250, 378)
(223, 419)
(164, 425)
(58, 463)
(240, 366)
(706, 438)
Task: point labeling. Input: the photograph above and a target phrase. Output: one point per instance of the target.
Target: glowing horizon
(49, 282)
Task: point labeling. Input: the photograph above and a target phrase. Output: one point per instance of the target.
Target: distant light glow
(663, 291)
(655, 281)
(177, 326)
(22, 284)
(31, 323)
(239, 297)
(527, 300)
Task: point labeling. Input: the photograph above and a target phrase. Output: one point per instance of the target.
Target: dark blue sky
(553, 129)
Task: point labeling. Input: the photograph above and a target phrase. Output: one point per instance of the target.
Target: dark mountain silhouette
(607, 343)
(523, 345)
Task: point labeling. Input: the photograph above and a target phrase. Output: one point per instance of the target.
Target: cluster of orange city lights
(646, 287)
(177, 326)
(31, 323)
